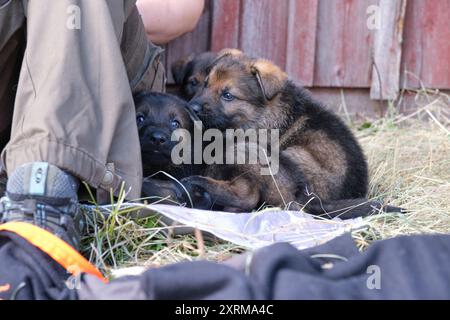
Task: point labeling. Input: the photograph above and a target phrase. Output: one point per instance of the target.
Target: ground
(409, 163)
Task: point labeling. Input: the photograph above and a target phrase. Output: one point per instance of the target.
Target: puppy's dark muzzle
(156, 141)
(196, 107)
(157, 138)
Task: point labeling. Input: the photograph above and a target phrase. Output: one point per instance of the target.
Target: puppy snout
(158, 138)
(196, 107)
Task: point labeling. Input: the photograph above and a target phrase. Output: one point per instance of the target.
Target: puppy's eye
(175, 124)
(193, 82)
(140, 119)
(227, 96)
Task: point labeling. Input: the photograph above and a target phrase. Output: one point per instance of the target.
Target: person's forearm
(164, 20)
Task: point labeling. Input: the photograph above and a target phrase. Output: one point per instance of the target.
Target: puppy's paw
(196, 187)
(156, 190)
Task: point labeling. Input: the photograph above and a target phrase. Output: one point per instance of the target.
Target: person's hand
(165, 20)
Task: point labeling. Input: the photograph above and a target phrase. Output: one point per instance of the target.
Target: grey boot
(44, 195)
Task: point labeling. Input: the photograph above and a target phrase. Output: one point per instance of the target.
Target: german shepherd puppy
(322, 167)
(157, 116)
(190, 72)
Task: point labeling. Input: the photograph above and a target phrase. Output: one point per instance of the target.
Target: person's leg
(12, 38)
(145, 73)
(74, 107)
(74, 115)
(142, 58)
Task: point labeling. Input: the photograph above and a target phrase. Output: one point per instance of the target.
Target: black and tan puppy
(189, 73)
(321, 166)
(158, 115)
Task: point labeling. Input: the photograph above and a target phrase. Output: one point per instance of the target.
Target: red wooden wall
(325, 43)
(426, 47)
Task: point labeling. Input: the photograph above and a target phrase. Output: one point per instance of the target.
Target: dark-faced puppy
(321, 165)
(190, 72)
(158, 115)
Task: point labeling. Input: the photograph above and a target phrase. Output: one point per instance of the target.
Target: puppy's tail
(348, 208)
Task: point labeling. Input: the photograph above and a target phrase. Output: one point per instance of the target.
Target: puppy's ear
(192, 115)
(229, 52)
(271, 78)
(139, 96)
(179, 68)
(222, 54)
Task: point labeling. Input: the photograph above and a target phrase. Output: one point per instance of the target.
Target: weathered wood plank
(426, 57)
(343, 44)
(301, 40)
(387, 50)
(356, 102)
(338, 53)
(193, 42)
(264, 29)
(225, 24)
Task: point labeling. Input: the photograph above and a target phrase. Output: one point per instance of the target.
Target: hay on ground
(409, 163)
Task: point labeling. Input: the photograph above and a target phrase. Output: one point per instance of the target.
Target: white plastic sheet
(256, 229)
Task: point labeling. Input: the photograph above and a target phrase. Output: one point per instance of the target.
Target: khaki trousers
(73, 107)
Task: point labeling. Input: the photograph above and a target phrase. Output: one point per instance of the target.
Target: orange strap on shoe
(57, 249)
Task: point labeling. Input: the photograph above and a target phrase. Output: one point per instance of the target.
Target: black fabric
(197, 280)
(414, 267)
(28, 273)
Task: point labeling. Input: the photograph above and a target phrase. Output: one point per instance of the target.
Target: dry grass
(409, 161)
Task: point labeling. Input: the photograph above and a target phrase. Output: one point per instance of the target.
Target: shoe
(44, 195)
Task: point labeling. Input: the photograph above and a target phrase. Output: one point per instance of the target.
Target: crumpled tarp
(256, 229)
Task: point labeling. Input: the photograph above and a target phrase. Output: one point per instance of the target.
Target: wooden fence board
(263, 29)
(427, 44)
(326, 43)
(344, 44)
(193, 42)
(225, 24)
(301, 40)
(388, 50)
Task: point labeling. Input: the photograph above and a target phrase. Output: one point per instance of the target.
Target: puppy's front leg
(162, 189)
(237, 195)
